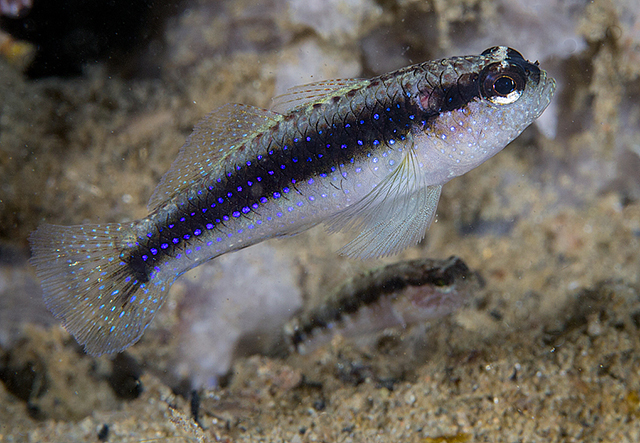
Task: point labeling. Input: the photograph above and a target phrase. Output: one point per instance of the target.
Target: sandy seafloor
(548, 350)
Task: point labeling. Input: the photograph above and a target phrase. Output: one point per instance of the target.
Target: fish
(363, 156)
(391, 296)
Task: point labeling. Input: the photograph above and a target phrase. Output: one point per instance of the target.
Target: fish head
(481, 104)
(513, 80)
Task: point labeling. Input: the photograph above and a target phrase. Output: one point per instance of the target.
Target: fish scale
(365, 156)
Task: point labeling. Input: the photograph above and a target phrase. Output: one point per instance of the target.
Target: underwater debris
(15, 8)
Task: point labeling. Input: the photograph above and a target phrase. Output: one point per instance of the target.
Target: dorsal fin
(313, 92)
(214, 139)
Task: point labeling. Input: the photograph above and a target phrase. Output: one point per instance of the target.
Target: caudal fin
(90, 289)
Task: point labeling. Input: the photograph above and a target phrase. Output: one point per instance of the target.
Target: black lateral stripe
(446, 97)
(288, 158)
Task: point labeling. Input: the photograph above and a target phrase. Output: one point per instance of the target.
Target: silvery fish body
(368, 156)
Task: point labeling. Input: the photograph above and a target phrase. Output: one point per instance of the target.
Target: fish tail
(99, 298)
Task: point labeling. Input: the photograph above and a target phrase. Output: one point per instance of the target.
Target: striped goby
(368, 156)
(392, 296)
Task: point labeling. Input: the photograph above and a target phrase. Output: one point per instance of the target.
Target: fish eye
(504, 85)
(501, 84)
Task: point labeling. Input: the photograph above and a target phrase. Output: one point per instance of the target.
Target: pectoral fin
(393, 216)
